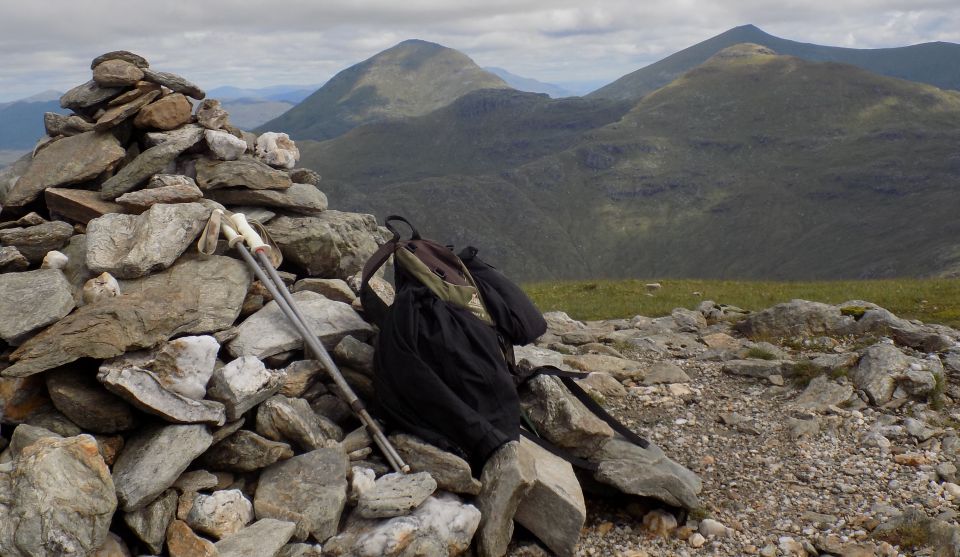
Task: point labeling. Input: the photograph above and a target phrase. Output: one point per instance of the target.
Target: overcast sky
(48, 44)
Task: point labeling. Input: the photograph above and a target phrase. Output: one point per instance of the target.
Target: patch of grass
(760, 354)
(699, 513)
(837, 373)
(802, 373)
(929, 300)
(936, 396)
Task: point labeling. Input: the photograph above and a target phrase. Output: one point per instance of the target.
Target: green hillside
(752, 165)
(411, 79)
(932, 63)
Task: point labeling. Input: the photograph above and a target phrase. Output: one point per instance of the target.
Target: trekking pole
(238, 231)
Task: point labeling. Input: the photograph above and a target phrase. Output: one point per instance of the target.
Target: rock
(554, 509)
(268, 331)
(277, 150)
(125, 55)
(87, 95)
(185, 365)
(141, 88)
(150, 523)
(604, 384)
(245, 451)
(196, 480)
(113, 547)
(803, 427)
(171, 111)
(220, 514)
(225, 146)
(298, 377)
(354, 354)
(70, 160)
(79, 206)
(451, 472)
(174, 82)
(242, 384)
(300, 550)
(12, 260)
(292, 420)
(646, 472)
(309, 490)
(713, 529)
(561, 418)
(822, 393)
(211, 115)
(914, 526)
(688, 321)
(84, 400)
(130, 246)
(31, 300)
(696, 540)
(335, 289)
(54, 260)
(620, 368)
(881, 322)
(304, 176)
(56, 422)
(116, 115)
(58, 500)
(99, 288)
(754, 368)
(264, 537)
(298, 198)
(153, 459)
(145, 198)
(116, 73)
(659, 523)
(441, 526)
(22, 397)
(152, 161)
(25, 435)
(144, 390)
(507, 477)
(796, 318)
(33, 242)
(665, 372)
(182, 542)
(60, 124)
(249, 173)
(330, 245)
(876, 372)
(579, 337)
(396, 494)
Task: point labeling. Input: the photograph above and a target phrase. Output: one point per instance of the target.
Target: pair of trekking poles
(245, 238)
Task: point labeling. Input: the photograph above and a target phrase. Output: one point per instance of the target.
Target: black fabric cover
(440, 372)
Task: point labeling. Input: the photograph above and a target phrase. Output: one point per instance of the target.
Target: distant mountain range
(530, 85)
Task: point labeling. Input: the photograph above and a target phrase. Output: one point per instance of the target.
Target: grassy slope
(932, 63)
(931, 301)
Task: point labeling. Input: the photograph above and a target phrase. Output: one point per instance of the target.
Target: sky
(48, 44)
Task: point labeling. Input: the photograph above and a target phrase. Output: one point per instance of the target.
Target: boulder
(646, 472)
(561, 418)
(211, 115)
(152, 161)
(125, 55)
(171, 111)
(116, 73)
(298, 198)
(292, 420)
(877, 371)
(174, 82)
(131, 246)
(31, 300)
(309, 490)
(277, 150)
(754, 368)
(451, 472)
(269, 331)
(507, 477)
(245, 451)
(554, 509)
(33, 242)
(264, 537)
(87, 95)
(621, 368)
(822, 393)
(70, 160)
(150, 523)
(329, 245)
(183, 542)
(395, 494)
(60, 501)
(242, 384)
(80, 397)
(141, 388)
(11, 260)
(116, 115)
(921, 337)
(355, 355)
(61, 124)
(796, 318)
(185, 365)
(153, 459)
(193, 296)
(220, 514)
(665, 372)
(225, 146)
(145, 198)
(335, 289)
(23, 436)
(249, 173)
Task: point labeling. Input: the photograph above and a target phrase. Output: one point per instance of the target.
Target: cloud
(48, 44)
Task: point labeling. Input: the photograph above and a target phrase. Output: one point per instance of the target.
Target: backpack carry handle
(414, 234)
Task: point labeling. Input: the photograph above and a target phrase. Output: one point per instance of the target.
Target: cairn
(155, 400)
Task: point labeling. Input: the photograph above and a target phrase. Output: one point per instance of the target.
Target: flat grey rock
(12, 260)
(292, 420)
(31, 300)
(332, 244)
(33, 242)
(754, 368)
(141, 388)
(796, 318)
(264, 537)
(507, 477)
(396, 494)
(244, 451)
(877, 371)
(80, 397)
(561, 418)
(309, 490)
(354, 354)
(298, 198)
(87, 95)
(335, 289)
(451, 472)
(248, 174)
(268, 331)
(150, 523)
(665, 372)
(646, 472)
(146, 198)
(822, 393)
(174, 82)
(153, 459)
(150, 162)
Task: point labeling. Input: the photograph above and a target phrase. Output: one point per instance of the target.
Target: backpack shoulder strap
(373, 306)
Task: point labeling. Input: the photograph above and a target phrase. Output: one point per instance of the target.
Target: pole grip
(250, 236)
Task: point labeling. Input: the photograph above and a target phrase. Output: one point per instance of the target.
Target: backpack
(444, 367)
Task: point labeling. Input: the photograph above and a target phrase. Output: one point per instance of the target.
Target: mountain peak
(743, 50)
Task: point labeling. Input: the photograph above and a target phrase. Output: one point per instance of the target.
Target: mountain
(750, 166)
(21, 122)
(529, 85)
(283, 93)
(932, 63)
(248, 114)
(410, 79)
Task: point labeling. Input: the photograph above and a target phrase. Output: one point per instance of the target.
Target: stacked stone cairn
(155, 400)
